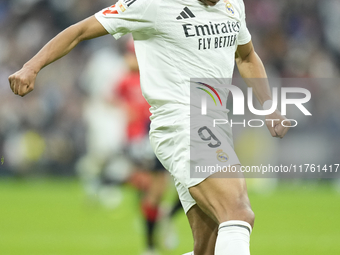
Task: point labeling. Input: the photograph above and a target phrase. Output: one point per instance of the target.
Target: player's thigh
(224, 199)
(204, 231)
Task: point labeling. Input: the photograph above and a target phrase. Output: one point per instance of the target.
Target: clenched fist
(277, 124)
(22, 82)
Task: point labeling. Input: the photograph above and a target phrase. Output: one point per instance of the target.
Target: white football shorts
(171, 141)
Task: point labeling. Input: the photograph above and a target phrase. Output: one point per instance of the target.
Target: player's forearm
(22, 82)
(253, 72)
(65, 41)
(58, 47)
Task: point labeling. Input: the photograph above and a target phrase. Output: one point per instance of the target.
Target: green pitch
(52, 217)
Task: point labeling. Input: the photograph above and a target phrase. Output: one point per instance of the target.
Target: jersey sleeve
(128, 16)
(244, 36)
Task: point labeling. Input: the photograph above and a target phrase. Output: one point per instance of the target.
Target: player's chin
(210, 2)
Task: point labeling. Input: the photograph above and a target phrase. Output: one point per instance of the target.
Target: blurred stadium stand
(46, 132)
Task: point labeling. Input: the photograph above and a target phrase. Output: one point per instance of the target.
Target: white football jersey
(176, 40)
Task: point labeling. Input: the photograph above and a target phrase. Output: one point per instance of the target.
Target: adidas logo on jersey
(185, 14)
(129, 2)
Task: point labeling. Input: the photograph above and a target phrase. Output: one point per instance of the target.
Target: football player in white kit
(176, 40)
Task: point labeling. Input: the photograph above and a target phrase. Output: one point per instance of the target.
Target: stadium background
(43, 205)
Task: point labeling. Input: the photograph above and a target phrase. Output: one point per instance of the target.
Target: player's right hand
(22, 82)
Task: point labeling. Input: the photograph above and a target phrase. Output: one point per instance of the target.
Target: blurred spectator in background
(45, 133)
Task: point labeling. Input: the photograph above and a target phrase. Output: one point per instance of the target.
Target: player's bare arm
(250, 66)
(22, 82)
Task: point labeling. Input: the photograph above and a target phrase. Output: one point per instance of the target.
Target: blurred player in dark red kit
(149, 175)
(129, 95)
